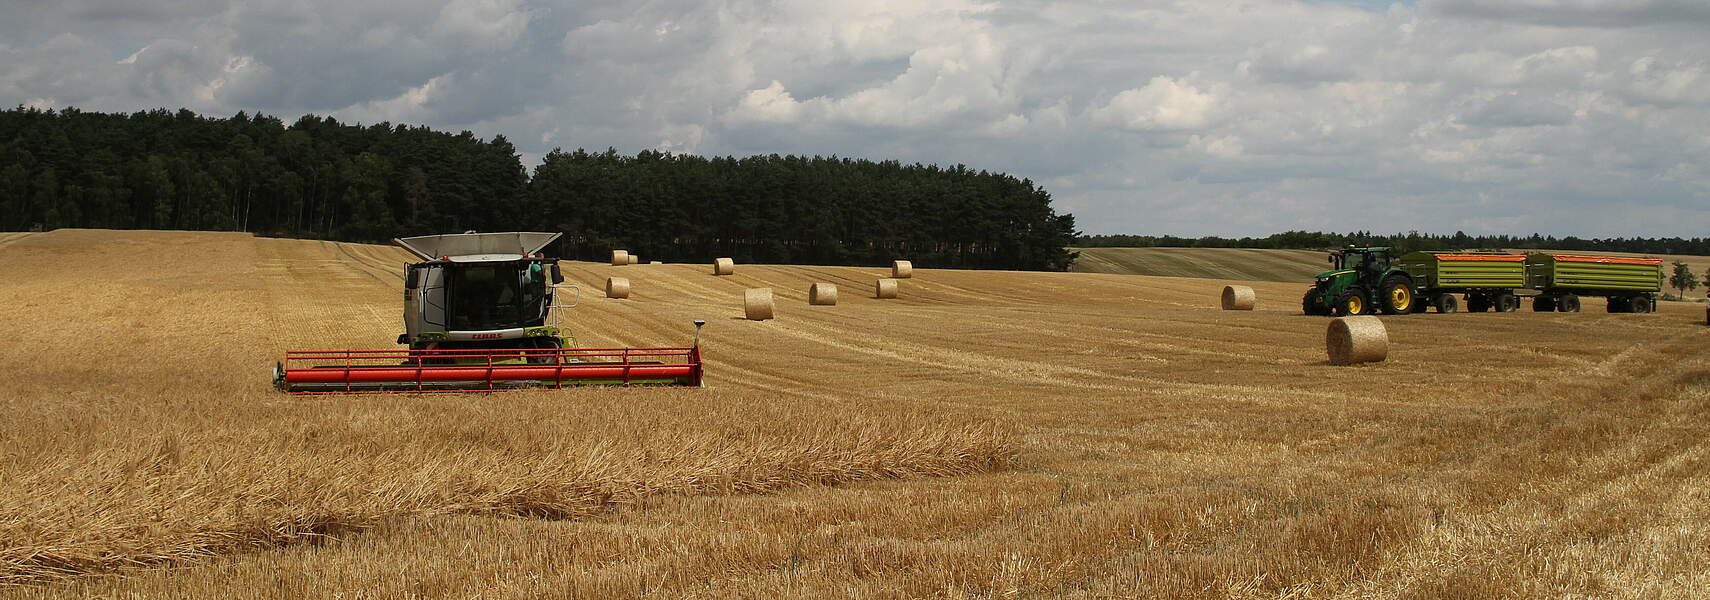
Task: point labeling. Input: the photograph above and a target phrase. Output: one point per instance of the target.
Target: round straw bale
(634, 260)
(1356, 340)
(902, 269)
(617, 287)
(757, 304)
(654, 262)
(822, 294)
(723, 266)
(885, 288)
(1238, 297)
(620, 257)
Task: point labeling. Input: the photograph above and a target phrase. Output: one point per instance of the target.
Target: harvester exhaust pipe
(698, 324)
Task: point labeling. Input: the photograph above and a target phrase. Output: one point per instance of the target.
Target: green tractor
(1363, 282)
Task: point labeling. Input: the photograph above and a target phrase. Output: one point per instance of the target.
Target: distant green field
(1211, 263)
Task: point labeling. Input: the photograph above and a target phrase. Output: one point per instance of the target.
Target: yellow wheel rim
(1400, 298)
(1355, 305)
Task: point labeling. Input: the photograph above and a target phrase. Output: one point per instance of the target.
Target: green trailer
(1487, 278)
(1628, 284)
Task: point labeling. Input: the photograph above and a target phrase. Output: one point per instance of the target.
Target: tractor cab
(1362, 282)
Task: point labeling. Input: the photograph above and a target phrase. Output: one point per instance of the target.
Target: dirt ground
(1147, 443)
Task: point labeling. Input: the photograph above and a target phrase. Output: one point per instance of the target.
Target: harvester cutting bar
(362, 371)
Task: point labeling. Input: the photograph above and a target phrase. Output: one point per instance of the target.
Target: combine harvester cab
(1629, 285)
(480, 315)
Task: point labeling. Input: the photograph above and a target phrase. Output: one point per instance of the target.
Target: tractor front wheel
(1397, 296)
(1352, 303)
(1307, 306)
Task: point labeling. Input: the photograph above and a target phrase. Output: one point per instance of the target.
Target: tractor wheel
(1640, 304)
(1397, 296)
(1352, 303)
(1568, 303)
(1446, 303)
(1307, 306)
(1477, 303)
(1544, 304)
(1507, 302)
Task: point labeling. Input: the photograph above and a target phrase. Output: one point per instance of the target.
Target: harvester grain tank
(1629, 285)
(480, 313)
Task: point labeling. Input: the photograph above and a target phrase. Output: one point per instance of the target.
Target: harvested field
(1102, 435)
(1240, 264)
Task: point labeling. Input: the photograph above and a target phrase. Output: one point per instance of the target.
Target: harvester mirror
(557, 276)
(412, 280)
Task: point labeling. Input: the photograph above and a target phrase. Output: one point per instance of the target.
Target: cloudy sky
(1187, 117)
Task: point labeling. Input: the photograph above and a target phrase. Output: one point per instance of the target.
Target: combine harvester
(479, 316)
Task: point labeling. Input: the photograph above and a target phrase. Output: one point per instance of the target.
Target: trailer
(1488, 279)
(1628, 284)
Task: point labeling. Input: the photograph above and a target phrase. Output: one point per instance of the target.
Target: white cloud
(1163, 104)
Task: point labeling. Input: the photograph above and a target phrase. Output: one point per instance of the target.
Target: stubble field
(989, 434)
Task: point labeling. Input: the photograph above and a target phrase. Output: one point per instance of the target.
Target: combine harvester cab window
(496, 296)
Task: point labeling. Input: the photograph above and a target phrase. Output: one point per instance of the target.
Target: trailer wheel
(1478, 303)
(1446, 303)
(1615, 305)
(1568, 303)
(1507, 302)
(1396, 296)
(1640, 304)
(1352, 303)
(1543, 304)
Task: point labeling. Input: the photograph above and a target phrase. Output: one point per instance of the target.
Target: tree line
(1406, 242)
(319, 178)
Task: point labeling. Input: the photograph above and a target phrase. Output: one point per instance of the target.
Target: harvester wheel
(1543, 304)
(1568, 303)
(1446, 303)
(1397, 296)
(1352, 303)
